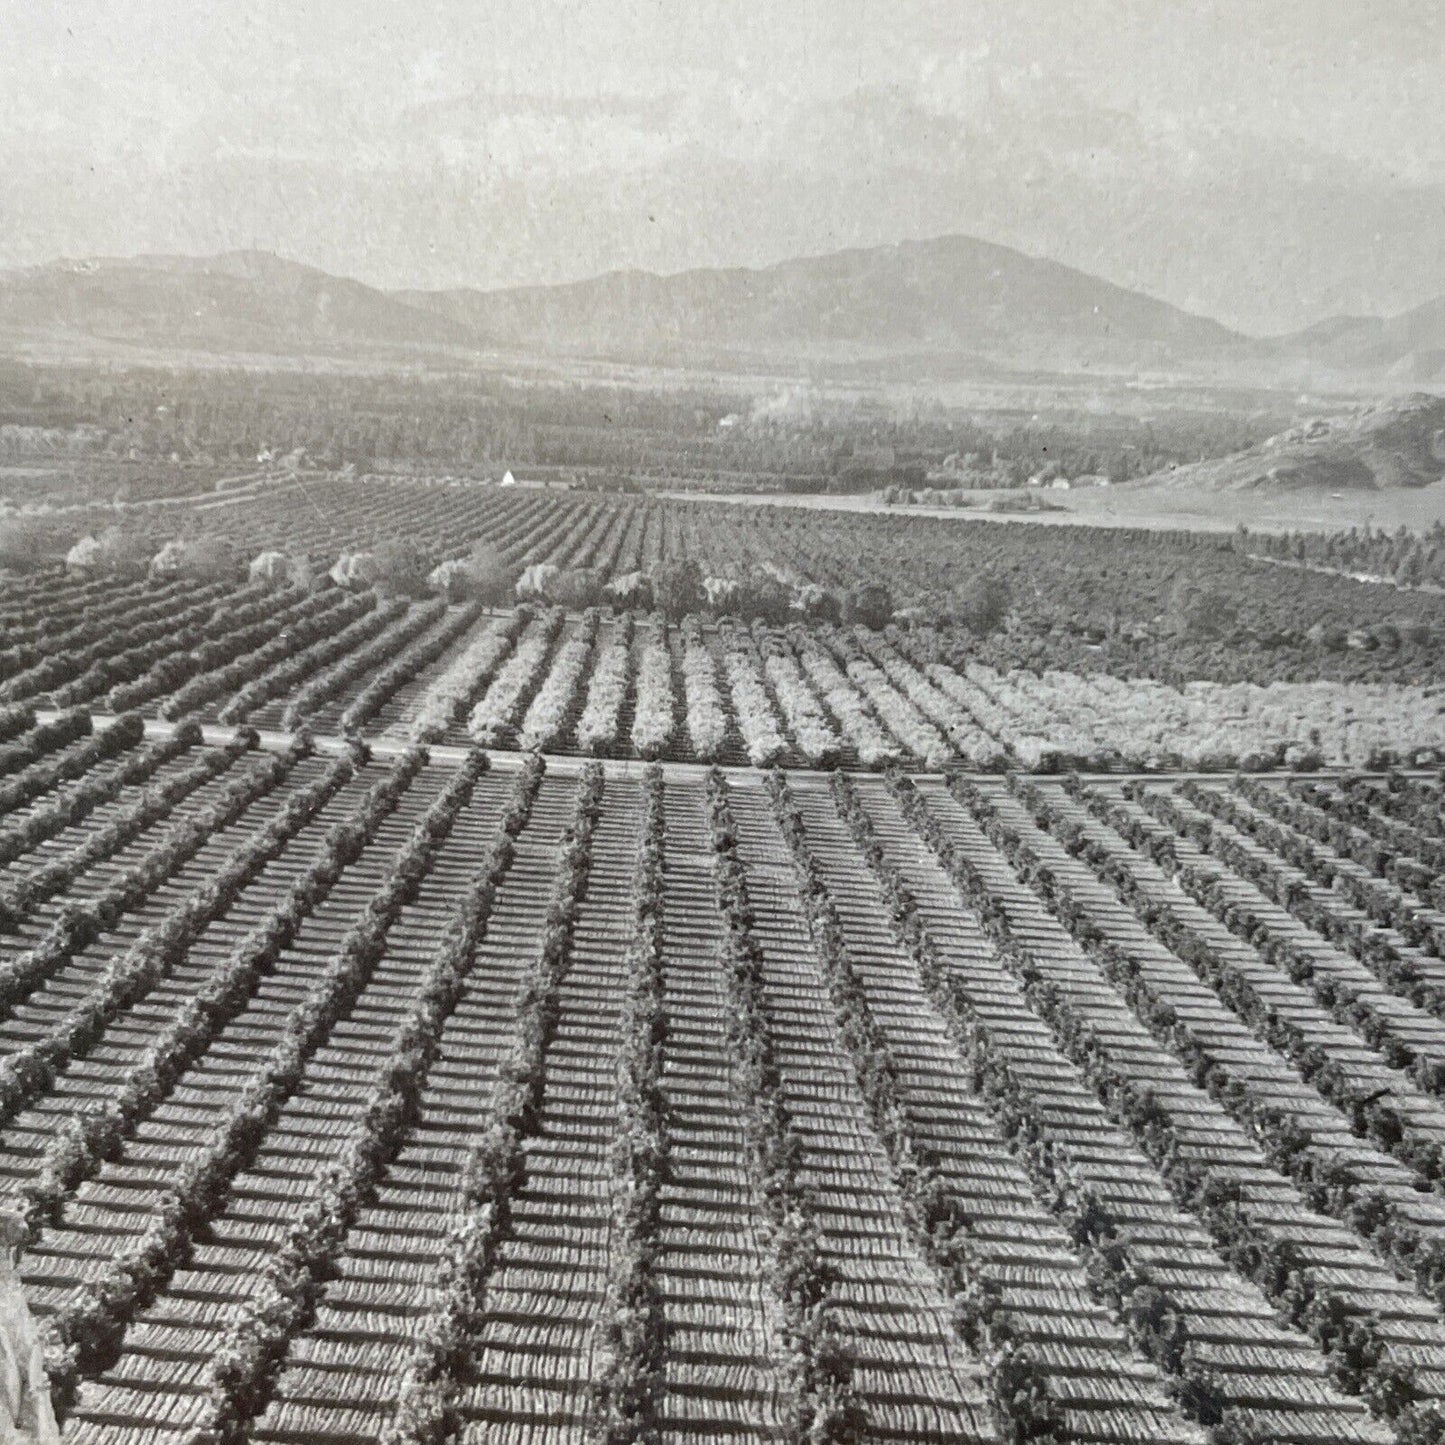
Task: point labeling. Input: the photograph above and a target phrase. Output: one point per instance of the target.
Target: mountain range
(953, 303)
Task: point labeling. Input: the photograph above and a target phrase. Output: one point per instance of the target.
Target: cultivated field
(1140, 652)
(424, 1021)
(1066, 578)
(356, 1098)
(625, 685)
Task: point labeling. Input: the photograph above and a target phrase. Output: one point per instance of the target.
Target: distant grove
(671, 430)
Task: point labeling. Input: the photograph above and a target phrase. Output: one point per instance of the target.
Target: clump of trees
(982, 605)
(1200, 612)
(478, 421)
(1412, 559)
(205, 559)
(116, 551)
(482, 575)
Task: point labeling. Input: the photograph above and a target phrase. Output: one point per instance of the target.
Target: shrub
(575, 588)
(869, 605)
(399, 567)
(983, 604)
(677, 588)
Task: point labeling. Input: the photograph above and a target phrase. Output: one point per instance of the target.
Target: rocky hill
(1399, 443)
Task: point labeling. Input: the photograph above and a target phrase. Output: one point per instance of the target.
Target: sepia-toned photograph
(722, 723)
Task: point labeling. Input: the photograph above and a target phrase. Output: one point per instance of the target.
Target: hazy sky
(1267, 161)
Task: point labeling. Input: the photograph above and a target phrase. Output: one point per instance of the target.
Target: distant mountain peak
(947, 295)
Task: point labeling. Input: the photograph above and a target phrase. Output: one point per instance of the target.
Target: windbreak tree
(116, 551)
(983, 604)
(869, 605)
(763, 598)
(207, 559)
(677, 589)
(487, 574)
(400, 567)
(575, 588)
(817, 603)
(1200, 612)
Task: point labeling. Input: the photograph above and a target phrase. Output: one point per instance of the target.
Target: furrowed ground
(428, 1020)
(348, 1098)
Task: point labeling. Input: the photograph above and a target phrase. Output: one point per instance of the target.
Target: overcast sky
(1269, 162)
